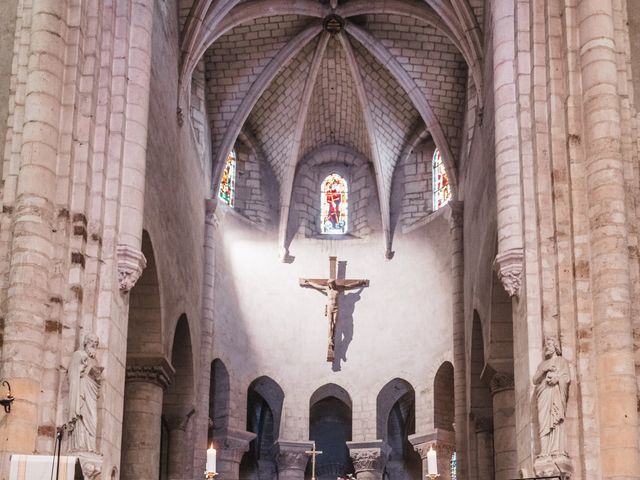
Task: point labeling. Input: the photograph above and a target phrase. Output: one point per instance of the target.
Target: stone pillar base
(548, 465)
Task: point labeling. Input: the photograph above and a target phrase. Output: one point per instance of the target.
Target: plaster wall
(266, 324)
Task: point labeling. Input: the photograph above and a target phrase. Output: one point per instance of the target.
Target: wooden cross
(331, 287)
(313, 452)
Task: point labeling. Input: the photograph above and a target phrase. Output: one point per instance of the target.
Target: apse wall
(266, 324)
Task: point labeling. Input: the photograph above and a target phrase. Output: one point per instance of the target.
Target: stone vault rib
(291, 49)
(287, 185)
(416, 96)
(375, 151)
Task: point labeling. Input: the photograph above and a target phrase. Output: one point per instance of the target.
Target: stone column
(231, 445)
(31, 249)
(456, 221)
(206, 340)
(369, 459)
(147, 378)
(507, 154)
(484, 448)
(291, 459)
(504, 426)
(616, 394)
(134, 150)
(443, 442)
(178, 468)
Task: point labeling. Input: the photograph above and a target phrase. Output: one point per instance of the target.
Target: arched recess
(396, 420)
(219, 398)
(148, 373)
(330, 427)
(443, 401)
(145, 327)
(481, 418)
(178, 407)
(264, 411)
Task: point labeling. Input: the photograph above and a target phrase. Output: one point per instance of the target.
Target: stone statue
(85, 377)
(552, 380)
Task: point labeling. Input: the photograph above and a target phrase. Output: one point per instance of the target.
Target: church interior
(319, 239)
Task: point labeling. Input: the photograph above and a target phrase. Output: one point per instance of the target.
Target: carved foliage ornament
(292, 460)
(367, 459)
(501, 381)
(131, 263)
(509, 267)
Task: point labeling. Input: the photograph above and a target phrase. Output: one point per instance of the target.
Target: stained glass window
(454, 467)
(441, 188)
(228, 183)
(334, 201)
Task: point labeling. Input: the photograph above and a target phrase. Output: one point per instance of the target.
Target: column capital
(232, 444)
(508, 265)
(501, 381)
(291, 455)
(131, 263)
(369, 456)
(442, 441)
(211, 218)
(156, 370)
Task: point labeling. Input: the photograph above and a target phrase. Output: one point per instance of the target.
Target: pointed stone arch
(443, 402)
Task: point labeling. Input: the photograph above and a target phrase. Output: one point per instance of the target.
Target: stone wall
(364, 212)
(267, 325)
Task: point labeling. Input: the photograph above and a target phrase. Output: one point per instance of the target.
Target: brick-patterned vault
(363, 75)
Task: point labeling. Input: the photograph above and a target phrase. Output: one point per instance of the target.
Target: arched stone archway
(148, 373)
(330, 427)
(178, 408)
(264, 410)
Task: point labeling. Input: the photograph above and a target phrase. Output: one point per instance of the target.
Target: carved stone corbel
(131, 263)
(508, 265)
(501, 381)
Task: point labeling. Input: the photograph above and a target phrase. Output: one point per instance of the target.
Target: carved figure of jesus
(552, 380)
(331, 288)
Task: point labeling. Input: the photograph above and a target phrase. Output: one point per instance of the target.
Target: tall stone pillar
(291, 459)
(504, 426)
(179, 464)
(134, 150)
(32, 249)
(616, 394)
(459, 364)
(369, 459)
(507, 154)
(484, 448)
(443, 442)
(206, 340)
(231, 445)
(147, 378)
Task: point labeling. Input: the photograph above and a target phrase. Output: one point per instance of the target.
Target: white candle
(432, 461)
(211, 460)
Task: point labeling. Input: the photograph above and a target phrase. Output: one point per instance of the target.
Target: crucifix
(331, 287)
(313, 452)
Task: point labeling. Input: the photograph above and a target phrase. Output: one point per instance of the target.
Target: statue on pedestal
(551, 380)
(85, 377)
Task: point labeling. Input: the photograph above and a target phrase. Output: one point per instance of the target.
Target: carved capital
(501, 381)
(210, 208)
(291, 455)
(91, 465)
(131, 263)
(155, 370)
(232, 444)
(368, 457)
(509, 267)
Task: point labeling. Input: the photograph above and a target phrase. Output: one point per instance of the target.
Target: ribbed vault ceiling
(394, 69)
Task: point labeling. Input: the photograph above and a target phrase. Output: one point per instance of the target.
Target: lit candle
(432, 461)
(211, 460)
